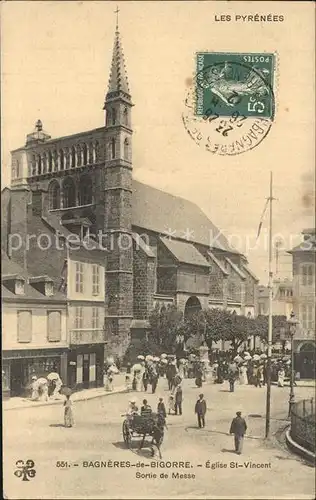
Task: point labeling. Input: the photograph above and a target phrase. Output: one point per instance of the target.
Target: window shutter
(24, 326)
(54, 326)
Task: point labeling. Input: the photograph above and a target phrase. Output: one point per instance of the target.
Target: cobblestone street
(38, 434)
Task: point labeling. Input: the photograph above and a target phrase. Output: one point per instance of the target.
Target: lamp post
(292, 322)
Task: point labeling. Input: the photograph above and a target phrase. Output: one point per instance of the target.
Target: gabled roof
(162, 212)
(142, 245)
(246, 268)
(184, 252)
(9, 267)
(218, 263)
(235, 268)
(30, 293)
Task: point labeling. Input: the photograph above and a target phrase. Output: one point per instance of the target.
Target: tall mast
(270, 288)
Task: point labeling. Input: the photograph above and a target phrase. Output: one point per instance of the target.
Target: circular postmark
(229, 107)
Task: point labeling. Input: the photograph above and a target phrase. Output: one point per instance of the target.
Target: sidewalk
(299, 383)
(83, 395)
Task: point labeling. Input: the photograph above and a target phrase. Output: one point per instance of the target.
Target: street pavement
(107, 469)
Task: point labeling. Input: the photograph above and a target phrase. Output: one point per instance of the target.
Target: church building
(114, 247)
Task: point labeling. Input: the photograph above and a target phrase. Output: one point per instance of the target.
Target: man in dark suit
(200, 410)
(238, 428)
(161, 409)
(178, 400)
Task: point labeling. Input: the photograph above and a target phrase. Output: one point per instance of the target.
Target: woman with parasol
(56, 381)
(137, 370)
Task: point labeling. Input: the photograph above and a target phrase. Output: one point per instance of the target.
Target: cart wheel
(126, 434)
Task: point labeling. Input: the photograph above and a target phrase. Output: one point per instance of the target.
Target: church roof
(165, 213)
(185, 252)
(118, 76)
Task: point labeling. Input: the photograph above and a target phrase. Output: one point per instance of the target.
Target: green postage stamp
(229, 83)
(230, 106)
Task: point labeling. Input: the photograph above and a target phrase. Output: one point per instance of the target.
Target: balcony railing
(84, 336)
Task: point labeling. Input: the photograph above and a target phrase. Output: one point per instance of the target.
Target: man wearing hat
(238, 428)
(200, 410)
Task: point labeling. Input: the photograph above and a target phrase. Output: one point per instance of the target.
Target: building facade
(282, 304)
(304, 265)
(133, 247)
(34, 330)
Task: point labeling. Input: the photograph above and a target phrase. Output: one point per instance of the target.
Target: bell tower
(118, 203)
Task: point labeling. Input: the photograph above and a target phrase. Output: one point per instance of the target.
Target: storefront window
(5, 377)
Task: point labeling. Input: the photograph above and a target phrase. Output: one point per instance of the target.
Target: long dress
(68, 413)
(281, 375)
(243, 378)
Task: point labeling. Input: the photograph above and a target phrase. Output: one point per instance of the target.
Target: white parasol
(164, 361)
(137, 367)
(288, 362)
(141, 357)
(53, 376)
(163, 355)
(40, 381)
(182, 360)
(156, 358)
(256, 357)
(246, 353)
(263, 356)
(113, 369)
(238, 358)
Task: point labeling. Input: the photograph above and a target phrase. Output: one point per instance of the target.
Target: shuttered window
(24, 326)
(54, 326)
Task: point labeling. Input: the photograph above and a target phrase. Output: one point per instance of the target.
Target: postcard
(158, 249)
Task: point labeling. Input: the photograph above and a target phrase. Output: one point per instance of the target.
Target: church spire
(118, 81)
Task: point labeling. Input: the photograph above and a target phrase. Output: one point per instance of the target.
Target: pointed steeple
(118, 81)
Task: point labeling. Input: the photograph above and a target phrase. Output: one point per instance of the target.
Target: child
(68, 413)
(128, 384)
(171, 404)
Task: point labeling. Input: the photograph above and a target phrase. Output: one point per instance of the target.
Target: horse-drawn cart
(142, 426)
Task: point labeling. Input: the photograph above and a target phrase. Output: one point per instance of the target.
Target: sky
(55, 62)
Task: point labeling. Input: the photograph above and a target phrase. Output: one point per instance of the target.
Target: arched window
(54, 195)
(50, 162)
(85, 190)
(39, 165)
(66, 158)
(33, 165)
(85, 154)
(126, 149)
(61, 159)
(17, 169)
(55, 157)
(44, 163)
(69, 193)
(78, 156)
(96, 152)
(125, 117)
(113, 116)
(73, 157)
(108, 117)
(113, 152)
(90, 153)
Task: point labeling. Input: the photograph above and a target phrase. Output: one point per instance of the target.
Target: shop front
(85, 366)
(19, 366)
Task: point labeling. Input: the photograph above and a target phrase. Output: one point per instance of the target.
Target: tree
(261, 326)
(217, 324)
(167, 327)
